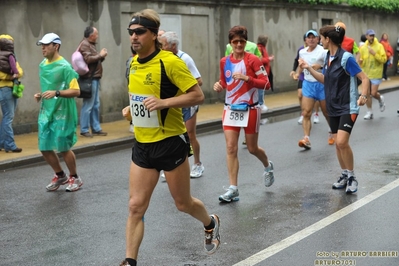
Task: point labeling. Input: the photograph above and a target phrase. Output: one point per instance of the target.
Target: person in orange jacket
(389, 51)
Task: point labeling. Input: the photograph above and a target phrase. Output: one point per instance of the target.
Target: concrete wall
(203, 25)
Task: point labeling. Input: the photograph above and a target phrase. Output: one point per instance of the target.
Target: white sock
(351, 173)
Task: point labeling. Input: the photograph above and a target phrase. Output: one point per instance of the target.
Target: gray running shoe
(56, 182)
(382, 103)
(351, 185)
(74, 184)
(268, 175)
(230, 195)
(212, 237)
(341, 182)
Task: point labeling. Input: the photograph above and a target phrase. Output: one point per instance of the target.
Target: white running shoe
(197, 170)
(316, 118)
(368, 116)
(300, 120)
(382, 103)
(230, 195)
(268, 174)
(74, 184)
(264, 108)
(56, 182)
(162, 176)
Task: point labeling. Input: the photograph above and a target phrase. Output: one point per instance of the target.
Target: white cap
(49, 38)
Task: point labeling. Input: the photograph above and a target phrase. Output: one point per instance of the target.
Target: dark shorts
(300, 82)
(344, 122)
(165, 155)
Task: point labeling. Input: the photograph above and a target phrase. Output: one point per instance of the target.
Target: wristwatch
(364, 96)
(57, 94)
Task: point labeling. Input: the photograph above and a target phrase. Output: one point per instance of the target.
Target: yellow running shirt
(162, 75)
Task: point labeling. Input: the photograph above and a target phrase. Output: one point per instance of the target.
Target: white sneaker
(382, 103)
(162, 176)
(300, 120)
(368, 116)
(197, 170)
(74, 184)
(268, 174)
(264, 108)
(131, 129)
(316, 118)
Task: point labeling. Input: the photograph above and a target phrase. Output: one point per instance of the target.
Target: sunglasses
(238, 41)
(137, 31)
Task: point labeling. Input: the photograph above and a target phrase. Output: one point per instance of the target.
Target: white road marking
(289, 241)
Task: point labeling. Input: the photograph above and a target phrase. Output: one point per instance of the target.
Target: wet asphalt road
(300, 220)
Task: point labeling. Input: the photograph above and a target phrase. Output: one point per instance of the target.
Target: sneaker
(162, 176)
(244, 142)
(316, 119)
(263, 108)
(56, 182)
(351, 185)
(212, 237)
(124, 263)
(268, 175)
(305, 143)
(99, 133)
(197, 170)
(368, 116)
(331, 140)
(382, 103)
(300, 120)
(86, 134)
(131, 129)
(341, 182)
(74, 184)
(230, 195)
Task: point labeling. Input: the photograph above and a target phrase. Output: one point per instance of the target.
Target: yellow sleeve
(74, 85)
(380, 55)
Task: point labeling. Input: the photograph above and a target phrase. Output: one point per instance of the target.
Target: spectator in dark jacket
(90, 113)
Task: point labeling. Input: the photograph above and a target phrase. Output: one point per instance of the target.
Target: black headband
(149, 24)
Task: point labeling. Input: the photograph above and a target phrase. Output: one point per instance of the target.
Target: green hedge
(387, 6)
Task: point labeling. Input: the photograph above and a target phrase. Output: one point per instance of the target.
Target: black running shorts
(165, 155)
(343, 122)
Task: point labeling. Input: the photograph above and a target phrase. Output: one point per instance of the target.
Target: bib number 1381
(141, 116)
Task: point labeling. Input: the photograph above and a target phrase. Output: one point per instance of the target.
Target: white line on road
(289, 241)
